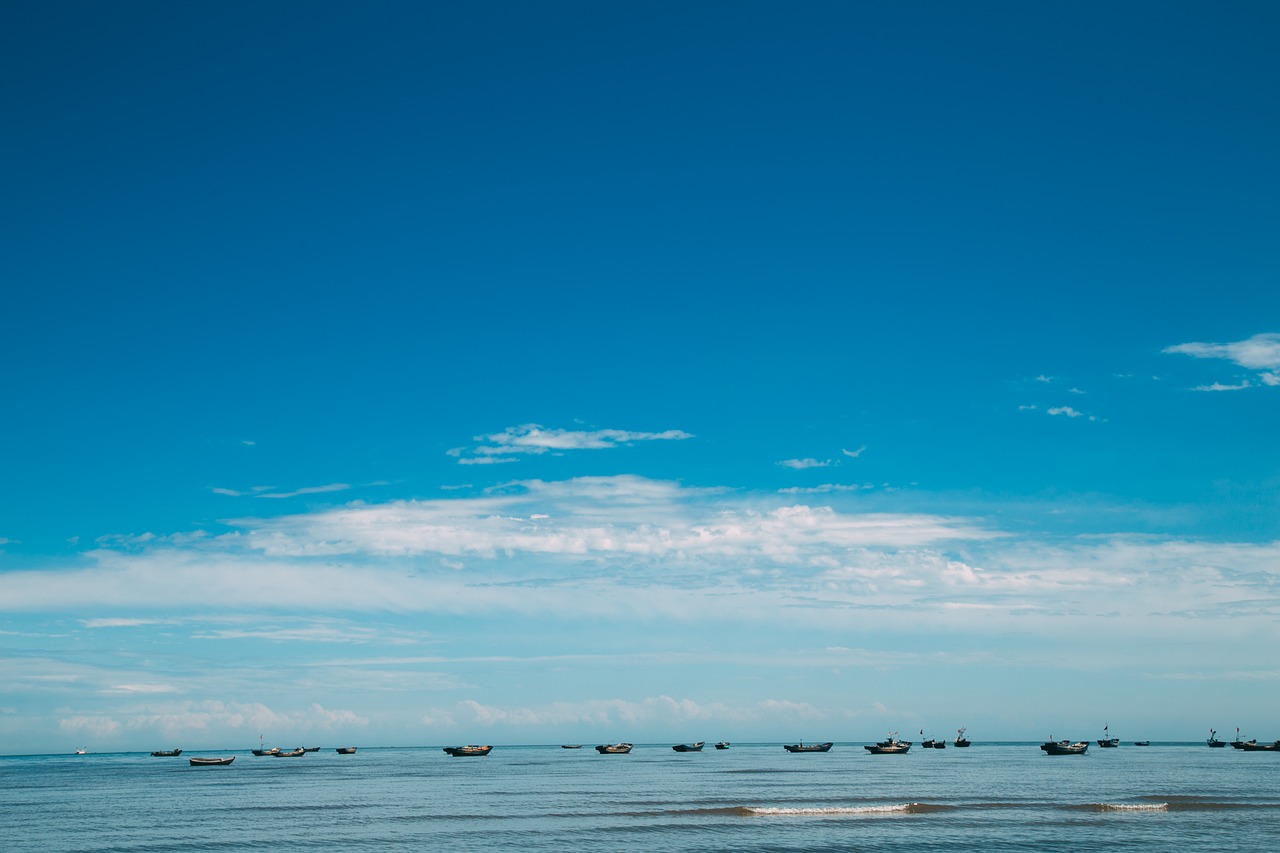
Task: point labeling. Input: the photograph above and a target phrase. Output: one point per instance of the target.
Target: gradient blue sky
(408, 373)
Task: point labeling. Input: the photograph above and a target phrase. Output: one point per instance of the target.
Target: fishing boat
(262, 749)
(346, 750)
(813, 747)
(293, 753)
(166, 753)
(1065, 747)
(468, 751)
(211, 762)
(80, 750)
(1107, 741)
(926, 743)
(1142, 743)
(689, 747)
(724, 744)
(571, 746)
(1213, 739)
(1239, 744)
(311, 749)
(892, 746)
(1254, 746)
(613, 748)
(960, 740)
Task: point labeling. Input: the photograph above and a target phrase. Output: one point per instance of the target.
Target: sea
(751, 797)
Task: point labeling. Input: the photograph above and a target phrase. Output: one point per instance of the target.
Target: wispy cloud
(269, 491)
(825, 488)
(1218, 386)
(307, 490)
(1259, 353)
(533, 439)
(854, 454)
(804, 464)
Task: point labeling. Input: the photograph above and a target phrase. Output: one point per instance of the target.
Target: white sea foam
(834, 810)
(1135, 807)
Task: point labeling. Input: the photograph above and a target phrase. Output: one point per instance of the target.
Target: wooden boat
(1107, 741)
(571, 746)
(346, 750)
(1241, 744)
(960, 740)
(724, 744)
(1065, 747)
(468, 751)
(1254, 746)
(813, 747)
(311, 749)
(272, 751)
(1142, 743)
(211, 762)
(166, 753)
(1213, 739)
(939, 744)
(613, 749)
(293, 753)
(892, 746)
(689, 747)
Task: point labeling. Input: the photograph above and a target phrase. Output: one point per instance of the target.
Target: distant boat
(724, 744)
(1065, 747)
(813, 747)
(571, 746)
(1142, 743)
(1254, 746)
(613, 749)
(689, 747)
(1107, 741)
(893, 746)
(166, 753)
(926, 743)
(1243, 744)
(1213, 739)
(211, 762)
(346, 750)
(311, 749)
(80, 750)
(960, 740)
(468, 751)
(275, 750)
(293, 753)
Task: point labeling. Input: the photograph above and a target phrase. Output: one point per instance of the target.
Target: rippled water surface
(989, 797)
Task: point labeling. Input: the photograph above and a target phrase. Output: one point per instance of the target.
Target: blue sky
(398, 373)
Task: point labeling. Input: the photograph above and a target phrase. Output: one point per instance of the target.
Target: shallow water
(751, 797)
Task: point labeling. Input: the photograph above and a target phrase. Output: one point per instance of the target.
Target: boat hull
(468, 751)
(817, 747)
(211, 762)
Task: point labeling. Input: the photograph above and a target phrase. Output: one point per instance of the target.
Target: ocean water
(753, 797)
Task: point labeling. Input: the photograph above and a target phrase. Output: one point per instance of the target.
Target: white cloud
(1070, 412)
(1260, 352)
(853, 454)
(825, 488)
(534, 439)
(1218, 386)
(308, 490)
(804, 464)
